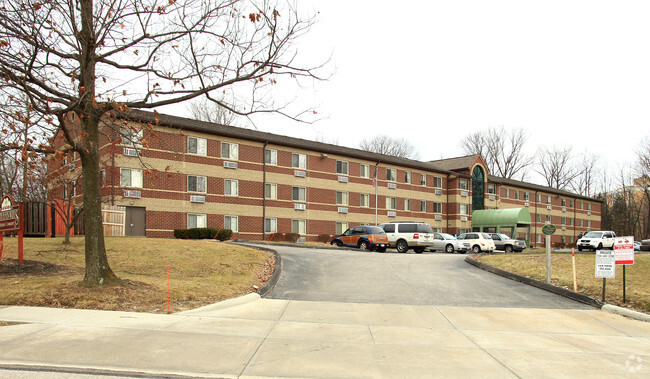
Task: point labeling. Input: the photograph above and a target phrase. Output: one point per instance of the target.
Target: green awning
(500, 217)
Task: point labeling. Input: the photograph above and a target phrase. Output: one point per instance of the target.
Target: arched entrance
(478, 188)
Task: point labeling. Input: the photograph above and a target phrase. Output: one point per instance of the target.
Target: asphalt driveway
(355, 276)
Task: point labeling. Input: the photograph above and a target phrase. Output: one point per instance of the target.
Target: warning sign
(624, 250)
(605, 264)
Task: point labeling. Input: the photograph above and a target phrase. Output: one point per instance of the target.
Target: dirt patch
(11, 267)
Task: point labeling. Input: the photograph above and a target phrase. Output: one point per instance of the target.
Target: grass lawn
(534, 266)
(200, 272)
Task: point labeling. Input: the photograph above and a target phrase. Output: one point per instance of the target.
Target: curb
(273, 280)
(536, 283)
(248, 298)
(626, 312)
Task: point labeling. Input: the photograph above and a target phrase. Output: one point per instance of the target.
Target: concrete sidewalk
(253, 337)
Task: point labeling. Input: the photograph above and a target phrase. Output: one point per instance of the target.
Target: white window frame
(437, 182)
(231, 187)
(391, 174)
(200, 146)
(548, 218)
(270, 191)
(302, 161)
(423, 179)
(341, 226)
(492, 189)
(423, 204)
(270, 225)
(342, 198)
(548, 199)
(199, 179)
(407, 205)
(300, 225)
(228, 222)
(507, 193)
(364, 203)
(230, 150)
(271, 157)
(526, 196)
(438, 206)
(407, 177)
(391, 203)
(131, 137)
(463, 184)
(364, 171)
(302, 194)
(135, 179)
(463, 209)
(516, 194)
(200, 220)
(343, 167)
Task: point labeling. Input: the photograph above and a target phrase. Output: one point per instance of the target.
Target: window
(231, 187)
(507, 191)
(548, 200)
(492, 189)
(271, 191)
(437, 182)
(581, 205)
(229, 150)
(341, 227)
(196, 145)
(364, 171)
(271, 156)
(437, 207)
(407, 177)
(423, 180)
(299, 194)
(571, 203)
(299, 161)
(548, 219)
(423, 206)
(570, 222)
(102, 177)
(463, 209)
(299, 226)
(588, 206)
(196, 183)
(588, 224)
(516, 194)
(564, 202)
(364, 200)
(539, 238)
(539, 217)
(391, 203)
(131, 136)
(580, 222)
(231, 222)
(463, 184)
(270, 225)
(342, 167)
(196, 220)
(131, 177)
(342, 198)
(391, 174)
(407, 204)
(526, 196)
(539, 198)
(563, 220)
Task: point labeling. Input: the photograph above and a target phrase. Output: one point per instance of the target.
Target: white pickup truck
(596, 240)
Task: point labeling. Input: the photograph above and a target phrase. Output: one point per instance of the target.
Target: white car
(477, 242)
(409, 235)
(445, 242)
(597, 240)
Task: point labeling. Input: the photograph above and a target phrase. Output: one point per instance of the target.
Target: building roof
(455, 164)
(536, 187)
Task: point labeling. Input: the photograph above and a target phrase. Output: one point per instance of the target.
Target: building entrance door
(135, 221)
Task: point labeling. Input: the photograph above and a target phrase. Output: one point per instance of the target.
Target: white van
(409, 235)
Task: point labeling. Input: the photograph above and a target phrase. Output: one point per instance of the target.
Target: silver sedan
(445, 242)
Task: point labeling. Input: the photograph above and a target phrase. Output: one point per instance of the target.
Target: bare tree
(208, 111)
(555, 165)
(585, 180)
(383, 144)
(83, 62)
(502, 149)
(643, 183)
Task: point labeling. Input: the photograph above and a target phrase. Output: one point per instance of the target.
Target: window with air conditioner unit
(342, 167)
(131, 177)
(463, 209)
(391, 174)
(391, 203)
(342, 198)
(299, 193)
(299, 161)
(463, 184)
(196, 183)
(437, 182)
(131, 136)
(229, 150)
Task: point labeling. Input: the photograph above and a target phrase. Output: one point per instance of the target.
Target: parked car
(507, 244)
(637, 246)
(477, 242)
(363, 237)
(645, 245)
(409, 235)
(445, 242)
(596, 240)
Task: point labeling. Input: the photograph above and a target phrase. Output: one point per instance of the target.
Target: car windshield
(425, 228)
(503, 236)
(447, 236)
(375, 230)
(594, 235)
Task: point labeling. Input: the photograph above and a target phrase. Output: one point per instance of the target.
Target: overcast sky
(569, 72)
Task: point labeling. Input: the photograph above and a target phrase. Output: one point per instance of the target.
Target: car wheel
(600, 247)
(419, 250)
(476, 249)
(579, 248)
(363, 245)
(508, 249)
(339, 243)
(449, 249)
(402, 246)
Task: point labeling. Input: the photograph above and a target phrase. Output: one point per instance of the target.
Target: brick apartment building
(170, 172)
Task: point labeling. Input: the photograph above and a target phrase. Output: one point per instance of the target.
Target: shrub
(325, 238)
(224, 234)
(291, 237)
(203, 233)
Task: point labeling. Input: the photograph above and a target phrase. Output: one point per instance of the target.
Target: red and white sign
(624, 250)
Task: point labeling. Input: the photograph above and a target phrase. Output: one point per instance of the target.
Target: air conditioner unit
(464, 194)
(564, 228)
(129, 152)
(228, 164)
(300, 207)
(463, 218)
(438, 218)
(563, 209)
(491, 197)
(526, 204)
(300, 173)
(343, 210)
(343, 179)
(197, 199)
(549, 207)
(588, 213)
(132, 194)
(438, 192)
(392, 213)
(547, 222)
(392, 186)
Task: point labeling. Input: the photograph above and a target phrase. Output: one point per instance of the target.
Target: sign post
(605, 266)
(548, 230)
(624, 254)
(10, 217)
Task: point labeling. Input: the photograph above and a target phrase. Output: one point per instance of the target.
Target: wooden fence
(113, 219)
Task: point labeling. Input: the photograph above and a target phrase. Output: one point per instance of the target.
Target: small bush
(203, 233)
(224, 234)
(291, 237)
(325, 238)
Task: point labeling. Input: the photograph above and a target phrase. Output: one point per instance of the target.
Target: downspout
(536, 198)
(447, 205)
(264, 190)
